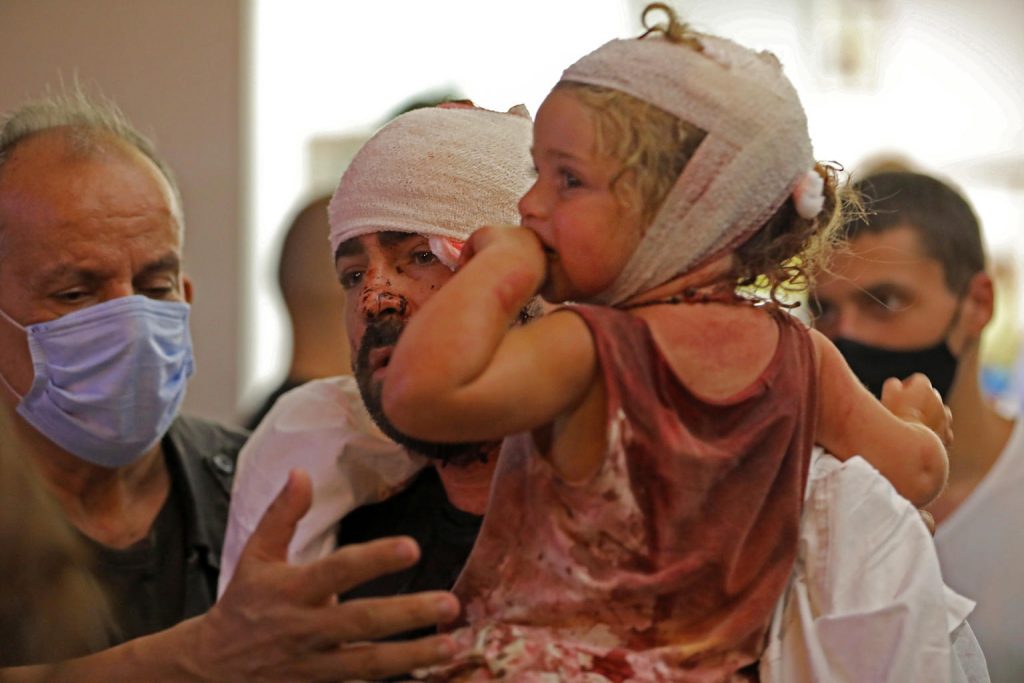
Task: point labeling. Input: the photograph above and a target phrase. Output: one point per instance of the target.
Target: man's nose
(380, 299)
(386, 303)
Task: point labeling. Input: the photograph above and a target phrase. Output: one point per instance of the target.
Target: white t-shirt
(981, 551)
(866, 601)
(323, 428)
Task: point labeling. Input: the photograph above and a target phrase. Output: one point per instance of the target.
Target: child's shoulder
(698, 323)
(715, 349)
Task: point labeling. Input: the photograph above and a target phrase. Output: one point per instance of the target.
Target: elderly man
(95, 354)
(911, 294)
(422, 184)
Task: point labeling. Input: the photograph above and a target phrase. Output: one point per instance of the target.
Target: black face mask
(874, 365)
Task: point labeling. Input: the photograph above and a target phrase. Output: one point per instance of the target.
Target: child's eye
(570, 179)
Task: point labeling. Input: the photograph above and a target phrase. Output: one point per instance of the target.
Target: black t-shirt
(144, 581)
(171, 574)
(445, 535)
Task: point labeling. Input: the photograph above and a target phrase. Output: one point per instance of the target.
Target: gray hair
(86, 118)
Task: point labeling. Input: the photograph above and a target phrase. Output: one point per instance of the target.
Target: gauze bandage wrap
(439, 172)
(756, 150)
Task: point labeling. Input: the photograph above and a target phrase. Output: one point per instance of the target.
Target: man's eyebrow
(65, 272)
(350, 247)
(392, 237)
(884, 288)
(164, 263)
(387, 238)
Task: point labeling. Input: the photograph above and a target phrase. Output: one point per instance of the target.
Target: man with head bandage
(411, 196)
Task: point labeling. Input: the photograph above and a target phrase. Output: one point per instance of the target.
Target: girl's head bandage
(755, 152)
(439, 172)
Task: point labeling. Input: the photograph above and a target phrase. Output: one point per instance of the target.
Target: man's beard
(385, 333)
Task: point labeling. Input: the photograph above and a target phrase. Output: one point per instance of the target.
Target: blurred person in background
(95, 353)
(309, 287)
(913, 293)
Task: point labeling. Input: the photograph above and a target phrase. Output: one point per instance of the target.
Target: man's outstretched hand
(279, 622)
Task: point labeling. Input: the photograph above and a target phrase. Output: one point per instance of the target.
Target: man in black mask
(911, 294)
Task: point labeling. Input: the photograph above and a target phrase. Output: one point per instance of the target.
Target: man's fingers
(374, 661)
(381, 660)
(373, 618)
(277, 526)
(355, 564)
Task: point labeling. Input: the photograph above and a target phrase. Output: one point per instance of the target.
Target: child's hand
(521, 241)
(915, 400)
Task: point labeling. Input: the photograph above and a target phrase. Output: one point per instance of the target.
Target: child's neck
(714, 272)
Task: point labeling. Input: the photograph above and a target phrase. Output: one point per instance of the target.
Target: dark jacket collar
(201, 458)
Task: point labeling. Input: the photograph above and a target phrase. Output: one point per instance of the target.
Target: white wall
(175, 68)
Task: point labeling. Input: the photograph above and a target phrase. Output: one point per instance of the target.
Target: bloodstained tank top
(666, 564)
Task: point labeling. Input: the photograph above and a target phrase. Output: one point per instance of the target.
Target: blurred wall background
(176, 68)
(259, 104)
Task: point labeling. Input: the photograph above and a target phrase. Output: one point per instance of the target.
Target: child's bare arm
(903, 436)
(460, 373)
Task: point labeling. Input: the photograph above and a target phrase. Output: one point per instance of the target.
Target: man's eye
(351, 278)
(72, 296)
(157, 290)
(423, 257)
(890, 302)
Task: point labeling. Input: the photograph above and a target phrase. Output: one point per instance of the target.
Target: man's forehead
(355, 246)
(901, 244)
(893, 259)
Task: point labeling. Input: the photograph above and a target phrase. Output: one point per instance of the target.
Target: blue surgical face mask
(108, 378)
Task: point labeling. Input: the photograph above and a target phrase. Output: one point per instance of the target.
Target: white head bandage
(756, 150)
(439, 172)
